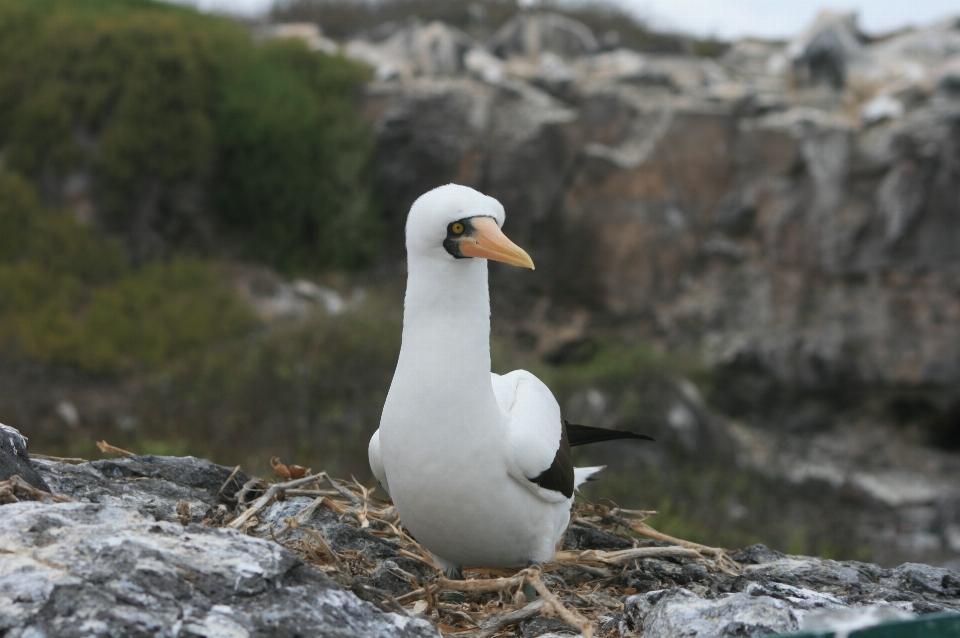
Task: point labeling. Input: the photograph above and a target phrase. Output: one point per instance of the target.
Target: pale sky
(733, 18)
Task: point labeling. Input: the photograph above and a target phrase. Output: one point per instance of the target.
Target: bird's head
(455, 222)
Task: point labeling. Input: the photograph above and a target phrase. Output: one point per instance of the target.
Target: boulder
(155, 486)
(823, 53)
(14, 460)
(534, 33)
(87, 569)
(416, 49)
(130, 557)
(511, 140)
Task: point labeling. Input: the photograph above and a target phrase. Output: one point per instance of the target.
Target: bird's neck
(446, 322)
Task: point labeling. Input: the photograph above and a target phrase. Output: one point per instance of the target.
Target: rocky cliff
(790, 208)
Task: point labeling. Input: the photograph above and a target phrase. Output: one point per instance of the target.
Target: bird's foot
(450, 570)
(529, 592)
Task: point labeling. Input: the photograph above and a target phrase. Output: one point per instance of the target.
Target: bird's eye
(457, 228)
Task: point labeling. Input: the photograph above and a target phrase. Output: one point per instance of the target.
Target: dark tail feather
(583, 434)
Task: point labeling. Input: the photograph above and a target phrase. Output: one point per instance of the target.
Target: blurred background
(746, 224)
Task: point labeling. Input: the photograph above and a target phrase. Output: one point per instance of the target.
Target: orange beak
(489, 242)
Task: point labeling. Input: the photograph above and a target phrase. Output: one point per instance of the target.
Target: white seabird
(477, 464)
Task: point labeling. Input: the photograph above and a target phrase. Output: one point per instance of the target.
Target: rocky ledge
(164, 546)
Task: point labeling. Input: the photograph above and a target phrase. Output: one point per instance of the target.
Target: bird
(477, 464)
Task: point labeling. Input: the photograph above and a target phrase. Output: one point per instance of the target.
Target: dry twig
(268, 496)
(106, 448)
(571, 617)
(623, 555)
(227, 482)
(15, 489)
(58, 459)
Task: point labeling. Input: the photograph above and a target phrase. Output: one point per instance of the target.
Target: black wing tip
(584, 434)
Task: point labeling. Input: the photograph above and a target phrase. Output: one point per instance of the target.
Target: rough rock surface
(83, 569)
(124, 564)
(342, 536)
(14, 460)
(814, 183)
(117, 565)
(779, 594)
(154, 485)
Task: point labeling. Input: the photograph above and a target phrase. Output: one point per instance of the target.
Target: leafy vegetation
(68, 297)
(293, 152)
(168, 112)
(309, 391)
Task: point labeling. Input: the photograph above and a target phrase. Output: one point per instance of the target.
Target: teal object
(946, 625)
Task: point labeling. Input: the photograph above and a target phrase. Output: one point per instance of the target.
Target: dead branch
(106, 448)
(485, 585)
(347, 494)
(723, 561)
(15, 489)
(227, 482)
(572, 618)
(623, 555)
(248, 487)
(268, 496)
(58, 459)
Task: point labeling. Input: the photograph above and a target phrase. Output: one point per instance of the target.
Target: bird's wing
(538, 453)
(376, 461)
(584, 434)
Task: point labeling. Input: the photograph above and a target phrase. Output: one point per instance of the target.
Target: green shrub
(67, 296)
(18, 206)
(36, 312)
(310, 392)
(163, 311)
(291, 152)
(173, 112)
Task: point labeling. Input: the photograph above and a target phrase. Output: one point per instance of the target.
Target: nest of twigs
(488, 602)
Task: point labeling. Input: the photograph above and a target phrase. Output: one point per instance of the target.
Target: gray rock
(778, 593)
(824, 51)
(126, 564)
(14, 459)
(393, 572)
(416, 49)
(153, 485)
(531, 34)
(512, 141)
(578, 537)
(84, 569)
(540, 626)
(627, 178)
(679, 612)
(850, 619)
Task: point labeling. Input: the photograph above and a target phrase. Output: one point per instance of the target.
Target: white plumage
(459, 449)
